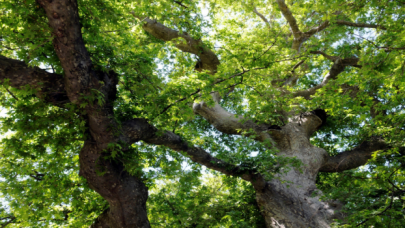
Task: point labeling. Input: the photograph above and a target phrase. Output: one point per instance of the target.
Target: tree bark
(292, 198)
(289, 200)
(125, 194)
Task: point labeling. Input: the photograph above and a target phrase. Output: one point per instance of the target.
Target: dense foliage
(260, 76)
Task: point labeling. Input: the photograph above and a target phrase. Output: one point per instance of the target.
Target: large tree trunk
(125, 194)
(292, 199)
(284, 206)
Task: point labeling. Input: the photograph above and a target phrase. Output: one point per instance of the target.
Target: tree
(107, 98)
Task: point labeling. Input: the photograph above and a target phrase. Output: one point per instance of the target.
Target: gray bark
(291, 204)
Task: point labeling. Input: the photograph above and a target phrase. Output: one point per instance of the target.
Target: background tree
(105, 99)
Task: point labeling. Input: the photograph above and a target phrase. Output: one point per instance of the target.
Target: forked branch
(338, 67)
(300, 37)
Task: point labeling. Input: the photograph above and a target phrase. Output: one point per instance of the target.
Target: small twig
(9, 48)
(366, 40)
(297, 65)
(275, 40)
(11, 94)
(277, 61)
(257, 91)
(147, 79)
(262, 17)
(182, 99)
(91, 12)
(12, 218)
(181, 4)
(382, 212)
(387, 49)
(40, 45)
(113, 31)
(393, 185)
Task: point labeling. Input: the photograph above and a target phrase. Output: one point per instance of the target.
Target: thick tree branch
(139, 129)
(338, 67)
(315, 30)
(354, 158)
(81, 80)
(326, 24)
(11, 220)
(186, 43)
(229, 123)
(264, 19)
(69, 46)
(289, 17)
(360, 25)
(299, 36)
(49, 86)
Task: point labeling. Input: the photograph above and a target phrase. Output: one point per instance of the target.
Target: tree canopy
(213, 108)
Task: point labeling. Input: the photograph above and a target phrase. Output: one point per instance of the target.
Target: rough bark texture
(294, 203)
(125, 194)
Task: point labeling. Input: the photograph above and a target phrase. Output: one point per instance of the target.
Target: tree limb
(360, 25)
(338, 67)
(139, 129)
(264, 19)
(315, 30)
(300, 37)
(12, 219)
(69, 47)
(209, 61)
(229, 123)
(354, 158)
(289, 17)
(48, 86)
(326, 24)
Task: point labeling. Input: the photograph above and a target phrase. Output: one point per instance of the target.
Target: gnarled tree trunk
(295, 201)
